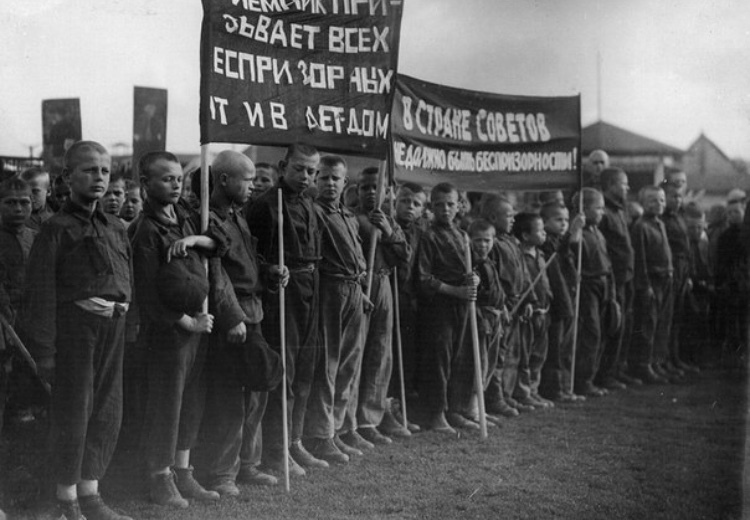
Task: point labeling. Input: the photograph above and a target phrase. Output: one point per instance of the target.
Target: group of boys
(112, 289)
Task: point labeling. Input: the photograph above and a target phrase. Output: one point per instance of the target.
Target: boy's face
(464, 205)
(678, 180)
(594, 210)
(163, 183)
(735, 213)
(619, 187)
(503, 217)
(695, 227)
(238, 185)
(15, 208)
(367, 190)
(132, 206)
(331, 182)
(409, 206)
(299, 171)
(673, 199)
(114, 197)
(537, 236)
(558, 223)
(654, 203)
(445, 207)
(62, 193)
(481, 243)
(39, 190)
(264, 180)
(90, 176)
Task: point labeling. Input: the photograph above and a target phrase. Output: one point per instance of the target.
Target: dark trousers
(333, 406)
(227, 406)
(176, 393)
(503, 379)
(613, 352)
(87, 395)
(301, 313)
(557, 367)
(679, 295)
(377, 357)
(407, 313)
(444, 323)
(590, 336)
(251, 451)
(490, 333)
(651, 322)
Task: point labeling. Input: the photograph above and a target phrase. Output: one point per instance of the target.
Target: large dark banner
(61, 127)
(484, 142)
(318, 71)
(149, 121)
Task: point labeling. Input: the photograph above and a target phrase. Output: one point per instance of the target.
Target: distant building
(641, 157)
(709, 169)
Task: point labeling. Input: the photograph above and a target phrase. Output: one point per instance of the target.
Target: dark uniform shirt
(15, 246)
(301, 231)
(514, 276)
(77, 255)
(442, 258)
(340, 243)
(237, 256)
(406, 279)
(535, 261)
(390, 252)
(561, 274)
(39, 217)
(594, 260)
(615, 228)
(651, 247)
(679, 241)
(489, 291)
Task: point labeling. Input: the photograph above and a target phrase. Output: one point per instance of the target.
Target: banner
(61, 127)
(484, 142)
(149, 121)
(318, 71)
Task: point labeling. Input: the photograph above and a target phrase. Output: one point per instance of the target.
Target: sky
(669, 69)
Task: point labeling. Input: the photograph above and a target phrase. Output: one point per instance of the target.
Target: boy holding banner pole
(301, 236)
(445, 290)
(387, 249)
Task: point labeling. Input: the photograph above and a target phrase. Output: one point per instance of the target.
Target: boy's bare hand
(367, 304)
(378, 219)
(201, 323)
(179, 249)
(237, 334)
(464, 292)
(279, 275)
(576, 227)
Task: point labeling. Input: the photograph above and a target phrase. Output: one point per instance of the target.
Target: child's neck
(165, 210)
(528, 247)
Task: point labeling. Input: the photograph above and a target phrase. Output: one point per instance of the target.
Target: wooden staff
(282, 340)
(577, 301)
(478, 383)
(375, 232)
(204, 207)
(517, 306)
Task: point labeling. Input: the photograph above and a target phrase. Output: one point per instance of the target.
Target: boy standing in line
(614, 226)
(78, 290)
(596, 291)
(329, 429)
(115, 197)
(171, 331)
(444, 294)
(301, 256)
(391, 250)
(653, 286)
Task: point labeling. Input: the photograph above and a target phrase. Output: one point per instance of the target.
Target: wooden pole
(518, 304)
(375, 232)
(478, 382)
(282, 342)
(399, 347)
(577, 303)
(204, 207)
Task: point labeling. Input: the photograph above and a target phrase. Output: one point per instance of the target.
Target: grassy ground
(668, 452)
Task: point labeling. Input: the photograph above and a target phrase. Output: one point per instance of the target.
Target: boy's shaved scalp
(444, 188)
(479, 226)
(331, 161)
(231, 162)
(490, 203)
(609, 176)
(32, 173)
(72, 156)
(147, 161)
(413, 187)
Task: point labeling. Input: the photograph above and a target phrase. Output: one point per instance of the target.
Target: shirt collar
(82, 213)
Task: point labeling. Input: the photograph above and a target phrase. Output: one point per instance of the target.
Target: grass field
(662, 452)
